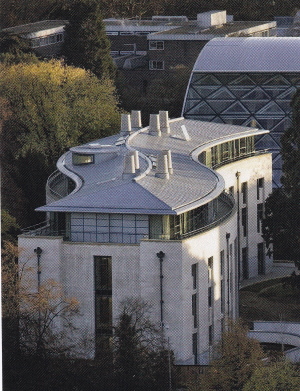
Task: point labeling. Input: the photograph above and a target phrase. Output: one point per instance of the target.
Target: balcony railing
(223, 208)
(239, 157)
(58, 186)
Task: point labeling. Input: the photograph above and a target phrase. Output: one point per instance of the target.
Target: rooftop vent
(131, 165)
(136, 121)
(154, 125)
(164, 121)
(125, 124)
(164, 165)
(211, 18)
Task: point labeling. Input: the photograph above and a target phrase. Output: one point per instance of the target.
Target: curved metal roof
(104, 189)
(251, 54)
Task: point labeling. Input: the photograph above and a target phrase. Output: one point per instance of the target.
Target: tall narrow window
(244, 221)
(210, 335)
(260, 213)
(222, 262)
(244, 191)
(259, 187)
(209, 296)
(103, 300)
(210, 268)
(261, 258)
(194, 310)
(194, 275)
(195, 348)
(245, 267)
(222, 296)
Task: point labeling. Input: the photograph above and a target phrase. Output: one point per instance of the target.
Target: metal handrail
(242, 156)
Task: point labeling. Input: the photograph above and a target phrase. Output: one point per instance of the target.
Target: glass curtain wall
(260, 100)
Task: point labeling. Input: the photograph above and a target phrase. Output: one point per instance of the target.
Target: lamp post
(38, 252)
(160, 256)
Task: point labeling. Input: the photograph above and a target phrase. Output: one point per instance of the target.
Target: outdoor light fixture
(160, 256)
(38, 252)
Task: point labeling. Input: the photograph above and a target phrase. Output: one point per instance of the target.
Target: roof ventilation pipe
(162, 166)
(154, 127)
(164, 121)
(125, 124)
(136, 159)
(136, 121)
(129, 166)
(167, 152)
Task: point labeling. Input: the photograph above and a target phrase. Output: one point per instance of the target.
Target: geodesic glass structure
(259, 98)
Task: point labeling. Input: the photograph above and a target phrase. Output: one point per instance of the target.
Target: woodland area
(16, 12)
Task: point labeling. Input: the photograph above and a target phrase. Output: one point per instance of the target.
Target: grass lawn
(269, 300)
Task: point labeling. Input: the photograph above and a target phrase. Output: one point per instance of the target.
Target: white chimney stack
(129, 166)
(125, 124)
(162, 170)
(136, 121)
(136, 159)
(154, 127)
(169, 157)
(164, 121)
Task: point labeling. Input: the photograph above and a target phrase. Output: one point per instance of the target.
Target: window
(260, 215)
(222, 262)
(209, 296)
(156, 45)
(244, 221)
(259, 186)
(261, 258)
(244, 191)
(78, 158)
(245, 268)
(194, 310)
(210, 335)
(222, 296)
(47, 40)
(210, 267)
(103, 296)
(194, 275)
(195, 348)
(156, 65)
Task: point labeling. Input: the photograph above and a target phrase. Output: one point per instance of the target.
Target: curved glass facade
(261, 100)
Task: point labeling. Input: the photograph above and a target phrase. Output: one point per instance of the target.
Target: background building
(46, 37)
(249, 82)
(170, 213)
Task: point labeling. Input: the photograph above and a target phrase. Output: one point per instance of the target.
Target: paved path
(279, 269)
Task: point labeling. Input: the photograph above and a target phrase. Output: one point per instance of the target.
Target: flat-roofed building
(46, 36)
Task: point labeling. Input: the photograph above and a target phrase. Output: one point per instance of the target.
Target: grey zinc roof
(193, 30)
(251, 54)
(104, 189)
(36, 26)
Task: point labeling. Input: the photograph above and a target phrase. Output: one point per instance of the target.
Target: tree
(277, 376)
(142, 361)
(46, 108)
(9, 227)
(35, 307)
(86, 44)
(15, 49)
(238, 356)
(282, 215)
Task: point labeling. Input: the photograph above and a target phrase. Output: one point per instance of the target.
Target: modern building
(249, 82)
(146, 51)
(170, 213)
(169, 41)
(46, 37)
